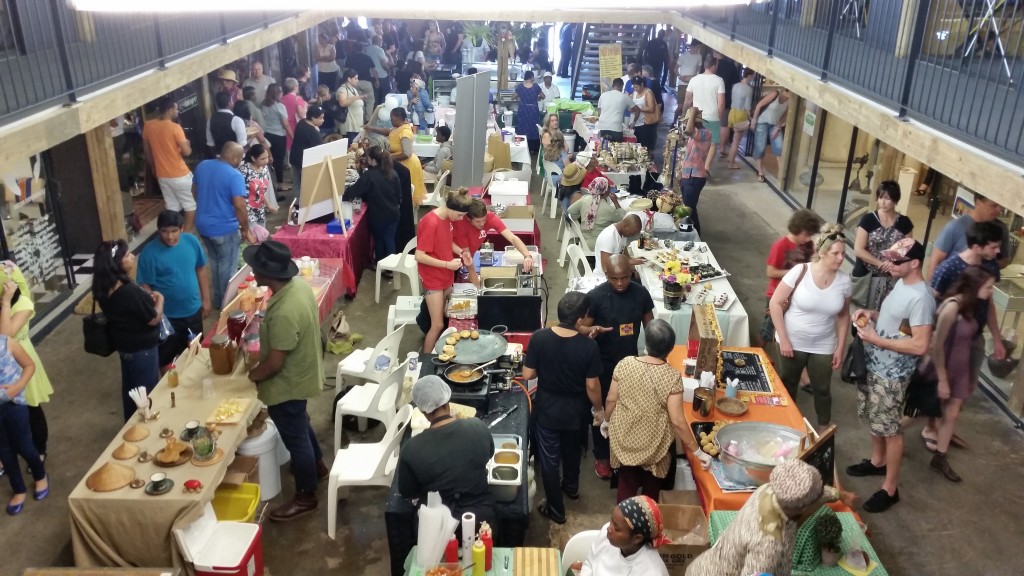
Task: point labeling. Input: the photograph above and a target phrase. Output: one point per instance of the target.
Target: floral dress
(880, 238)
(257, 184)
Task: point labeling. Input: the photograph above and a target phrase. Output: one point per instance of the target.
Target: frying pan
(477, 371)
(489, 346)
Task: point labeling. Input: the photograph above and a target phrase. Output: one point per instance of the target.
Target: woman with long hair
(400, 140)
(553, 147)
(258, 184)
(277, 131)
(133, 318)
(645, 117)
(379, 186)
(253, 132)
(437, 260)
(16, 370)
(348, 96)
(812, 333)
(877, 231)
(955, 328)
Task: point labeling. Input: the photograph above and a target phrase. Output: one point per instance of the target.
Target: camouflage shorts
(880, 402)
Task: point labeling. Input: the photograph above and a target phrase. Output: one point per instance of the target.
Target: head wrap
(796, 484)
(644, 518)
(597, 188)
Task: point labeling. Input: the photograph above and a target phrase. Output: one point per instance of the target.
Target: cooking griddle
(489, 346)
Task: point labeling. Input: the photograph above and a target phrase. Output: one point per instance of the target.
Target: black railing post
(819, 127)
(223, 29)
(60, 38)
(920, 23)
(833, 25)
(158, 36)
(735, 22)
(776, 7)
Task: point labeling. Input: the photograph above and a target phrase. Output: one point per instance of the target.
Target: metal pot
(478, 374)
(746, 472)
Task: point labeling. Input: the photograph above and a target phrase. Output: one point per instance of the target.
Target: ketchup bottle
(451, 551)
(485, 537)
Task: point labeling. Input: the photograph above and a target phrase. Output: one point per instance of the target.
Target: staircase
(586, 67)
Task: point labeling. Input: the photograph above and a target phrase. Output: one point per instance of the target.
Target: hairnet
(430, 393)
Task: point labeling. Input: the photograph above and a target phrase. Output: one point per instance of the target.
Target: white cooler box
(221, 548)
(509, 192)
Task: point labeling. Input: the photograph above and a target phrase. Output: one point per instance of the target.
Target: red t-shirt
(784, 255)
(434, 237)
(469, 237)
(590, 175)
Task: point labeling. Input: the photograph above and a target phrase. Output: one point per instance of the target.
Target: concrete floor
(939, 528)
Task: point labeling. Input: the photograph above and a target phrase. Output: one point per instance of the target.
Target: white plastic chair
(403, 311)
(436, 195)
(400, 264)
(578, 548)
(366, 464)
(370, 401)
(549, 169)
(360, 364)
(578, 259)
(573, 235)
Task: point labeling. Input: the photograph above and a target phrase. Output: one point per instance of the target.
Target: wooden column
(905, 32)
(103, 164)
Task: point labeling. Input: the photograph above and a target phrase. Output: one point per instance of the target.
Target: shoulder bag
(785, 303)
(96, 332)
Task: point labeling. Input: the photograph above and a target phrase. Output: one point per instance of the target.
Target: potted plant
(675, 284)
(829, 532)
(478, 33)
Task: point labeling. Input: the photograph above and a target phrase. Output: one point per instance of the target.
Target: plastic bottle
(485, 537)
(172, 377)
(246, 301)
(479, 552)
(451, 551)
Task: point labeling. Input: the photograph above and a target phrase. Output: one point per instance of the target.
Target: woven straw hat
(136, 433)
(109, 477)
(125, 451)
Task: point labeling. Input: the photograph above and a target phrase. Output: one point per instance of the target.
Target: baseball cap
(430, 393)
(547, 74)
(903, 250)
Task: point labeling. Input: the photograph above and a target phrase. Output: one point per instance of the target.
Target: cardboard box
(514, 212)
(683, 521)
(679, 498)
(242, 469)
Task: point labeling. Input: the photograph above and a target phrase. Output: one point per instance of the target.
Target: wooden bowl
(731, 406)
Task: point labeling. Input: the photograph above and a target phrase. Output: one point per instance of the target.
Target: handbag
(855, 368)
(785, 303)
(96, 332)
(861, 290)
(922, 397)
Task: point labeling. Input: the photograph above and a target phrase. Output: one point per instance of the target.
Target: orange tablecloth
(711, 494)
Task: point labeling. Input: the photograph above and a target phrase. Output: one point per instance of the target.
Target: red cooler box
(221, 548)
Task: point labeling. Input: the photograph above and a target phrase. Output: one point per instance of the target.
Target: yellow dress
(38, 389)
(419, 189)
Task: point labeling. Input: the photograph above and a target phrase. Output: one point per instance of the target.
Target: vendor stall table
(519, 151)
(331, 270)
(355, 251)
(502, 563)
(852, 536)
(513, 517)
(621, 179)
(127, 527)
(732, 320)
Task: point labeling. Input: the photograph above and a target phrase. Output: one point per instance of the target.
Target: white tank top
(640, 102)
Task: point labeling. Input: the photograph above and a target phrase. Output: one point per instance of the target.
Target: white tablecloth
(733, 320)
(519, 152)
(619, 179)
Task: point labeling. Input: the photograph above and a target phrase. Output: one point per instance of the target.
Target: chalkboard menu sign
(821, 454)
(746, 367)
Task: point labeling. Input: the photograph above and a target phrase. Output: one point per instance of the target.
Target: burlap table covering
(127, 527)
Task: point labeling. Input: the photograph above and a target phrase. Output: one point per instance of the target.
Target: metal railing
(50, 52)
(954, 65)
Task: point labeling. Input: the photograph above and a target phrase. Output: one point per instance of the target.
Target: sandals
(760, 177)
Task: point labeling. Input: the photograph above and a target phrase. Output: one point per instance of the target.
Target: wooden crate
(704, 328)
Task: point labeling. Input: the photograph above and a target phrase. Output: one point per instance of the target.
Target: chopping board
(535, 562)
(243, 405)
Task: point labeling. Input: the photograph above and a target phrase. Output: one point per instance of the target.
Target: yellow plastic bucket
(236, 504)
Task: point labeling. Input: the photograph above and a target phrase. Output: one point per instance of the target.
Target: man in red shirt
(471, 231)
(792, 249)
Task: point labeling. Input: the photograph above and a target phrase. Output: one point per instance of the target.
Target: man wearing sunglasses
(901, 333)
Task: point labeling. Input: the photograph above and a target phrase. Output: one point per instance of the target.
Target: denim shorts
(761, 134)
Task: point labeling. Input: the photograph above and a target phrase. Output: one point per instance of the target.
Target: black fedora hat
(272, 259)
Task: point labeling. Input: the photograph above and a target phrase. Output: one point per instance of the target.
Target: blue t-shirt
(913, 303)
(217, 183)
(171, 271)
(948, 272)
(953, 238)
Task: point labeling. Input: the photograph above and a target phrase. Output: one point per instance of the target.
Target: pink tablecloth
(529, 237)
(355, 251)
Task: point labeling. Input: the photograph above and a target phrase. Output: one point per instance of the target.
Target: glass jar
(236, 325)
(246, 299)
(252, 350)
(204, 445)
(222, 354)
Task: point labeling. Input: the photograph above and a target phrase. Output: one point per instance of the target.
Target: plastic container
(221, 548)
(236, 504)
(504, 481)
(264, 447)
(501, 439)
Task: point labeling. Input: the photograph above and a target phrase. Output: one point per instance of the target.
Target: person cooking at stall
(619, 308)
(450, 457)
(471, 231)
(436, 260)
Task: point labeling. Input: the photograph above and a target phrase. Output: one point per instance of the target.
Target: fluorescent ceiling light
(413, 7)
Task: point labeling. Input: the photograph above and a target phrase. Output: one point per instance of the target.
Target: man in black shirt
(566, 365)
(449, 458)
(362, 64)
(307, 135)
(620, 308)
(656, 56)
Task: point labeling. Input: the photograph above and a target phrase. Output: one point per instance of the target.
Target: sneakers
(603, 469)
(881, 501)
(865, 468)
(941, 464)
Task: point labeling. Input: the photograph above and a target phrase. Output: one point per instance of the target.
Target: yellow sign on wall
(610, 64)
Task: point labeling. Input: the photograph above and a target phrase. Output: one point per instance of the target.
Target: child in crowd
(16, 369)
